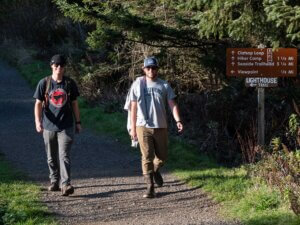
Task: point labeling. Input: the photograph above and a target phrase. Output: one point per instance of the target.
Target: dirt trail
(106, 175)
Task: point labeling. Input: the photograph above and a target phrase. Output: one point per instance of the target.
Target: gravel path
(106, 175)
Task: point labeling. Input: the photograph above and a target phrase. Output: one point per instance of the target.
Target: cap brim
(151, 66)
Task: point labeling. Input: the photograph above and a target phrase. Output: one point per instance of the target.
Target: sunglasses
(58, 64)
(151, 68)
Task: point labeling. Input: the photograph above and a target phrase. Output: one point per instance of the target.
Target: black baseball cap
(58, 59)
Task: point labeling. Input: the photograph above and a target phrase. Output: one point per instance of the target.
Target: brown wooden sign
(255, 62)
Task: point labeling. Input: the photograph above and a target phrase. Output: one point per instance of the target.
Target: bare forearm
(174, 109)
(38, 108)
(133, 115)
(175, 112)
(38, 111)
(76, 111)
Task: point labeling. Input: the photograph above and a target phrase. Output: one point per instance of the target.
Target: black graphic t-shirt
(58, 114)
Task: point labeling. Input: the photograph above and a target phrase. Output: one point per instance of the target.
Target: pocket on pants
(68, 134)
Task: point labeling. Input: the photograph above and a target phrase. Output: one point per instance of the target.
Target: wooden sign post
(261, 67)
(261, 116)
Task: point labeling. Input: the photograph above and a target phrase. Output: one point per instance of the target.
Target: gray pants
(58, 146)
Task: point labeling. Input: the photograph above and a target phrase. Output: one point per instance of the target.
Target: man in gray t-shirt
(149, 97)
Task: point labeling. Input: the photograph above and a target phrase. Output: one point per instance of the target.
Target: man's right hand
(39, 127)
(133, 134)
(38, 108)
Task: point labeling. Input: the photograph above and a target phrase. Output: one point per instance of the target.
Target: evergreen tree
(188, 23)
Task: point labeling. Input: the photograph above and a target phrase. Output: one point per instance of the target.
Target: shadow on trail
(173, 183)
(162, 194)
(109, 193)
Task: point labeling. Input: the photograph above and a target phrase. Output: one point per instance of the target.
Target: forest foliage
(106, 42)
(190, 38)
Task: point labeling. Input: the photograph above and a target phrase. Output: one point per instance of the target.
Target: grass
(112, 124)
(19, 199)
(35, 71)
(262, 206)
(242, 198)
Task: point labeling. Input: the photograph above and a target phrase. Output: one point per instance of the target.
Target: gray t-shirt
(155, 94)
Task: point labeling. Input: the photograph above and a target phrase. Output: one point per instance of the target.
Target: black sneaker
(53, 187)
(67, 190)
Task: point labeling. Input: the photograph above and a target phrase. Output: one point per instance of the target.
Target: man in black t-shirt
(55, 109)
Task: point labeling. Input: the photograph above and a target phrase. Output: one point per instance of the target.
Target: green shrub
(281, 167)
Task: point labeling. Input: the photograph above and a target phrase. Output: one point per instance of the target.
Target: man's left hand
(78, 128)
(179, 126)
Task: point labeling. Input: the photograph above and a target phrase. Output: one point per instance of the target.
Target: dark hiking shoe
(53, 187)
(150, 186)
(67, 190)
(149, 193)
(158, 179)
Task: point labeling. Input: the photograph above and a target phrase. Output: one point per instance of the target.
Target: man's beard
(153, 76)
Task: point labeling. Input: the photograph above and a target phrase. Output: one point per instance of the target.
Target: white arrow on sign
(261, 82)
